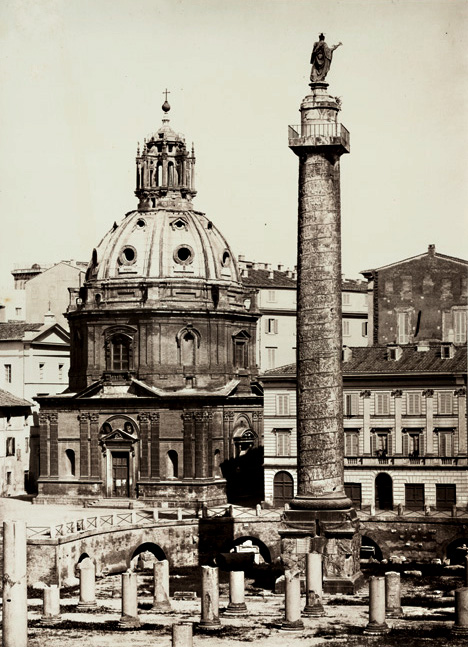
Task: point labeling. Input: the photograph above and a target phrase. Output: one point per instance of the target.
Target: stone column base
(129, 622)
(287, 625)
(375, 628)
(161, 607)
(235, 609)
(50, 620)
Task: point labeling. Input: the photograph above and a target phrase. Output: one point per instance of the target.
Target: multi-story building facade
(15, 418)
(276, 302)
(405, 428)
(41, 289)
(420, 298)
(34, 361)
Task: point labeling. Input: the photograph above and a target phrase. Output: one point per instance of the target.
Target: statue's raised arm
(321, 59)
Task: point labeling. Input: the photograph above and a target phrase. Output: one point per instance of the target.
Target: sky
(82, 82)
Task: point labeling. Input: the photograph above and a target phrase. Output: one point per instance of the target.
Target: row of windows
(445, 285)
(412, 443)
(414, 403)
(119, 350)
(446, 494)
(454, 326)
(347, 328)
(10, 446)
(41, 369)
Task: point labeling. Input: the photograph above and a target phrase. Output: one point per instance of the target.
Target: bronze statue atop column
(321, 59)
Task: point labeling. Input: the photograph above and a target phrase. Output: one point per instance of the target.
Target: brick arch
(147, 546)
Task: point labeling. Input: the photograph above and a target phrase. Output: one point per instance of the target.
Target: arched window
(188, 341)
(159, 174)
(120, 353)
(70, 455)
(172, 464)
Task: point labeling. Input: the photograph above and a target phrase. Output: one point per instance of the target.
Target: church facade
(163, 403)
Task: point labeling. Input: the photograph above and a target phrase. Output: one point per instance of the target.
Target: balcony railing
(316, 134)
(406, 460)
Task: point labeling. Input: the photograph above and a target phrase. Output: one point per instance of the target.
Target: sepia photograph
(233, 323)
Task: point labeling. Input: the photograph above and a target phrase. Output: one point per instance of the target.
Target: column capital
(154, 417)
(53, 417)
(428, 393)
(229, 415)
(365, 394)
(143, 416)
(94, 417)
(83, 417)
(397, 393)
(460, 392)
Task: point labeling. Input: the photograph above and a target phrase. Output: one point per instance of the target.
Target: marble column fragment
(292, 602)
(161, 586)
(314, 606)
(377, 624)
(236, 604)
(393, 595)
(51, 610)
(87, 584)
(182, 634)
(210, 597)
(15, 598)
(460, 628)
(129, 616)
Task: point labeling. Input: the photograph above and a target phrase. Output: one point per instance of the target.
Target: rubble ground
(427, 600)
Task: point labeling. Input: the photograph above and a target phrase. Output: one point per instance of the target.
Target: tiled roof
(261, 279)
(373, 359)
(280, 279)
(10, 400)
(413, 258)
(15, 330)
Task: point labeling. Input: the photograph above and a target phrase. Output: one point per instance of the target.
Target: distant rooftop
(374, 359)
(9, 400)
(264, 275)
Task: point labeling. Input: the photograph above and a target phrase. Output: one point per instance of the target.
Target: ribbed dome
(164, 244)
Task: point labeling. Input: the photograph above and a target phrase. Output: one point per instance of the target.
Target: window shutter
(447, 326)
(275, 326)
(354, 404)
(389, 445)
(405, 444)
(373, 445)
(421, 444)
(460, 326)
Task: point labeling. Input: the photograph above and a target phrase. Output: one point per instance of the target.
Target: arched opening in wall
(172, 464)
(187, 349)
(457, 550)
(145, 555)
(283, 489)
(70, 462)
(159, 175)
(170, 174)
(384, 491)
(370, 549)
(243, 551)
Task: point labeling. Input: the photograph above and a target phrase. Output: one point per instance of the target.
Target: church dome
(164, 243)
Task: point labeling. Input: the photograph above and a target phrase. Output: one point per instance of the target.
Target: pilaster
(366, 395)
(84, 445)
(429, 395)
(94, 446)
(53, 451)
(44, 445)
(188, 422)
(462, 435)
(143, 419)
(397, 395)
(155, 446)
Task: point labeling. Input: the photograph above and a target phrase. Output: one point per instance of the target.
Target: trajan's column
(321, 518)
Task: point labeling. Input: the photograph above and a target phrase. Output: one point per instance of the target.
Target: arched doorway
(384, 492)
(283, 489)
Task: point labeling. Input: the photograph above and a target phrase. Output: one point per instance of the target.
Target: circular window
(226, 259)
(183, 255)
(140, 223)
(128, 255)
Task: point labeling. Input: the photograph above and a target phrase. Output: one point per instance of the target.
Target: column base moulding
(297, 625)
(376, 629)
(235, 609)
(129, 622)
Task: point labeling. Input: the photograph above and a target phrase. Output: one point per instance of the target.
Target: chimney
(244, 272)
(49, 318)
(280, 267)
(347, 354)
(241, 257)
(431, 250)
(2, 314)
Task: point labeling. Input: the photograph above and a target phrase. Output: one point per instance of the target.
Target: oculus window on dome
(128, 255)
(226, 259)
(140, 223)
(183, 254)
